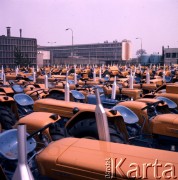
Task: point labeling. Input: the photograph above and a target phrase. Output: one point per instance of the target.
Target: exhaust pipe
(46, 81)
(101, 119)
(67, 89)
(22, 171)
(114, 86)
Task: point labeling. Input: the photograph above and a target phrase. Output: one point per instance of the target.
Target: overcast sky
(94, 21)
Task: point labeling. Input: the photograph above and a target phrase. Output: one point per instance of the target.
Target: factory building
(97, 53)
(14, 50)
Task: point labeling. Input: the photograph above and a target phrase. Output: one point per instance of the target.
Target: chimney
(8, 31)
(20, 32)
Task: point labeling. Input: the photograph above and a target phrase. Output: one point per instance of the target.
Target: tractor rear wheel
(87, 128)
(7, 118)
(58, 96)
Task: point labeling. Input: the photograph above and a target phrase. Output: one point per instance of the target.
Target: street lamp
(141, 46)
(51, 43)
(72, 39)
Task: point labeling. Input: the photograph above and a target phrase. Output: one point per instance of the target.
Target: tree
(18, 56)
(140, 52)
(20, 59)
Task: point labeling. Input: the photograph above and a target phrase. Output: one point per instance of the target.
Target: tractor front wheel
(7, 118)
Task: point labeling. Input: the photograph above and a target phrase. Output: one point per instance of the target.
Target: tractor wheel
(58, 96)
(87, 128)
(7, 118)
(57, 132)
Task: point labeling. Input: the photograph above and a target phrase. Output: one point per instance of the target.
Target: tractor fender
(33, 122)
(6, 99)
(7, 90)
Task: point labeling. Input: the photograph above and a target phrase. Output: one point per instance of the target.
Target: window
(173, 55)
(168, 55)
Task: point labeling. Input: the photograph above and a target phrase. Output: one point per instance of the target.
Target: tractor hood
(165, 124)
(65, 109)
(72, 158)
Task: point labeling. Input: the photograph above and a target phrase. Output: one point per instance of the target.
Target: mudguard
(6, 99)
(7, 90)
(34, 123)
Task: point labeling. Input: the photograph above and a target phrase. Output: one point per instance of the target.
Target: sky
(155, 22)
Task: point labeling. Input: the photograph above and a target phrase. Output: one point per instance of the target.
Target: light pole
(51, 43)
(141, 47)
(72, 40)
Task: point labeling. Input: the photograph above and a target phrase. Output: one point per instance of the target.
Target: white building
(43, 58)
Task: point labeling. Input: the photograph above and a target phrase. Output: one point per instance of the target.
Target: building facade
(14, 48)
(98, 53)
(170, 55)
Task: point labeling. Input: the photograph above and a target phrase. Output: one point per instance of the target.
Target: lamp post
(51, 43)
(72, 40)
(141, 47)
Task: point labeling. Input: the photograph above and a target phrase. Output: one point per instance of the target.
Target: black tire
(57, 131)
(87, 128)
(58, 96)
(7, 118)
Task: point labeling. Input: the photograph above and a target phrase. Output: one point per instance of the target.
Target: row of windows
(171, 55)
(19, 41)
(11, 55)
(107, 49)
(91, 47)
(11, 61)
(12, 48)
(87, 54)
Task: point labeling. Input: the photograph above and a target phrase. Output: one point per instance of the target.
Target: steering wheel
(152, 104)
(151, 109)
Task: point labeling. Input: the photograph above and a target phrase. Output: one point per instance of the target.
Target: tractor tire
(7, 118)
(57, 132)
(87, 128)
(58, 96)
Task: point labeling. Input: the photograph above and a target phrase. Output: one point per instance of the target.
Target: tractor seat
(8, 144)
(171, 104)
(128, 115)
(30, 78)
(23, 99)
(77, 95)
(101, 91)
(137, 80)
(17, 88)
(168, 79)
